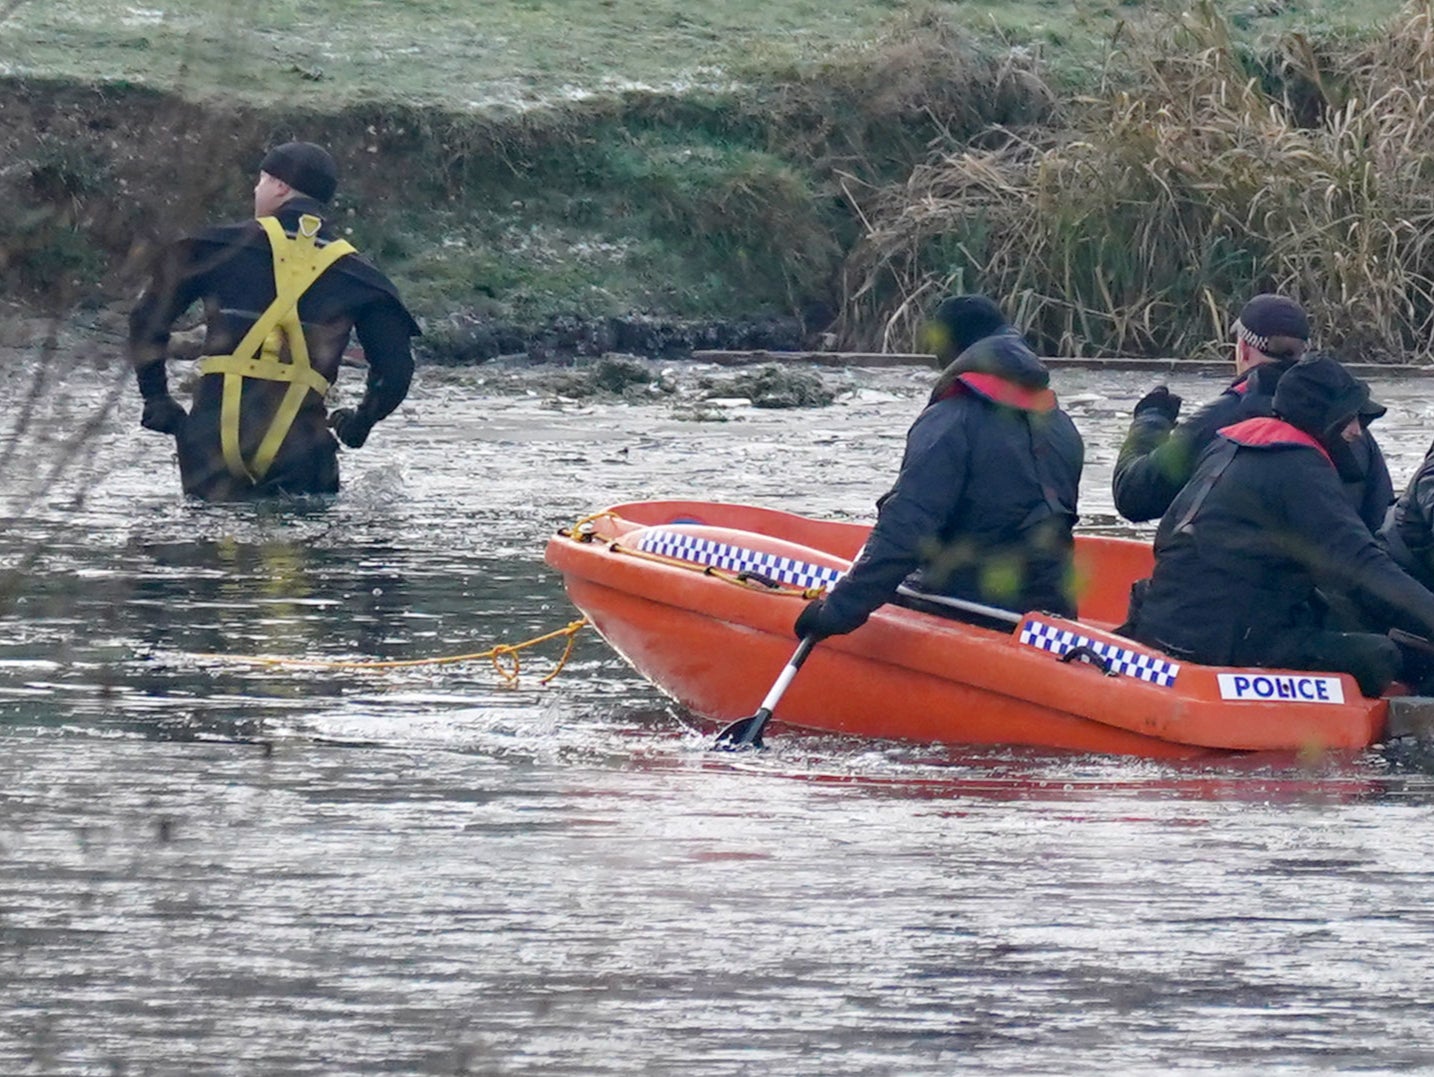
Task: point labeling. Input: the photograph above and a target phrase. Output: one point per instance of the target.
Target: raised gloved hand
(163, 414)
(350, 426)
(1159, 401)
(819, 621)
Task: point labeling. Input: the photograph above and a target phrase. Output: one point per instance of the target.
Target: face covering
(1351, 458)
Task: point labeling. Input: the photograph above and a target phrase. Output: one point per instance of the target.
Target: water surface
(212, 867)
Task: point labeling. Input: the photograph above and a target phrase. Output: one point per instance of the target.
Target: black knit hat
(305, 167)
(1275, 325)
(967, 319)
(1319, 396)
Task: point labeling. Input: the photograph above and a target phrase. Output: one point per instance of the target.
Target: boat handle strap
(1086, 653)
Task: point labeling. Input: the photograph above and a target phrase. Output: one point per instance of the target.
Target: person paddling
(1263, 525)
(281, 295)
(985, 501)
(1158, 455)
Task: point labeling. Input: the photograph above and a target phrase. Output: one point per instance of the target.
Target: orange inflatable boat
(700, 598)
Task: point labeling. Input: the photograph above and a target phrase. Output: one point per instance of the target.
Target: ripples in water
(213, 867)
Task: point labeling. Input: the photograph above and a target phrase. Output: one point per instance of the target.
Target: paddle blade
(743, 733)
(747, 732)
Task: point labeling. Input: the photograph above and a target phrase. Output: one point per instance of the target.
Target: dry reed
(1171, 197)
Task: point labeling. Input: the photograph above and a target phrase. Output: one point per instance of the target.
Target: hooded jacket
(1263, 522)
(1158, 457)
(985, 501)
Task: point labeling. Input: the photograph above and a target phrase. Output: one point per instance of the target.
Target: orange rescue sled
(700, 598)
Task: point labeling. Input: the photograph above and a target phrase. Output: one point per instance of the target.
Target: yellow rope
(504, 657)
(576, 531)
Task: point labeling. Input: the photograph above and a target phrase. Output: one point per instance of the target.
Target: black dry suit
(1156, 460)
(1265, 521)
(239, 402)
(985, 501)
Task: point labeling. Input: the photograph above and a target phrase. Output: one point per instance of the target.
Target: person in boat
(1408, 529)
(1262, 528)
(1159, 454)
(985, 501)
(281, 295)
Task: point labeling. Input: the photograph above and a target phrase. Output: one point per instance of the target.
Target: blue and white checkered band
(704, 551)
(1251, 338)
(1060, 641)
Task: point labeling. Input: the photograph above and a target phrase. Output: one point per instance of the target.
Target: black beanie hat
(1275, 325)
(967, 319)
(305, 167)
(1319, 396)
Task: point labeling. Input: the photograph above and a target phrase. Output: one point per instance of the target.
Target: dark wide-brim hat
(305, 167)
(1319, 396)
(1371, 410)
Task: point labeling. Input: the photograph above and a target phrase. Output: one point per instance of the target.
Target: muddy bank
(461, 340)
(702, 396)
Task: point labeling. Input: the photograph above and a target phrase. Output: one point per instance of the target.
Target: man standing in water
(281, 295)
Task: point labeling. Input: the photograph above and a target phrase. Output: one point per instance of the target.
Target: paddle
(747, 732)
(995, 613)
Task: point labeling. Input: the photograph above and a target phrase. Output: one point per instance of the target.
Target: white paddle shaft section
(993, 612)
(774, 696)
(783, 679)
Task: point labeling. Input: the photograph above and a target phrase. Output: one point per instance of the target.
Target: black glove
(1159, 401)
(163, 414)
(351, 427)
(819, 621)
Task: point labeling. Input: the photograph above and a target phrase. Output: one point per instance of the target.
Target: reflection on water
(214, 867)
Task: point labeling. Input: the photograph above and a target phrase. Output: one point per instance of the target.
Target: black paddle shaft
(747, 732)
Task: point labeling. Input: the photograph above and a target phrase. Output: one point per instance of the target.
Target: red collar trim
(1000, 390)
(1267, 431)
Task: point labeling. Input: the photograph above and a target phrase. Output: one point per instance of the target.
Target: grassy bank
(529, 165)
(472, 54)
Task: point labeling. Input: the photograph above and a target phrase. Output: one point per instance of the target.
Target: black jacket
(1408, 531)
(985, 501)
(1261, 524)
(230, 269)
(1156, 461)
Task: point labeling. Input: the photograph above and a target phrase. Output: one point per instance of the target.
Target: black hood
(1005, 354)
(1319, 396)
(964, 320)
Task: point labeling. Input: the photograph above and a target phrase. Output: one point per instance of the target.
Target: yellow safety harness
(298, 262)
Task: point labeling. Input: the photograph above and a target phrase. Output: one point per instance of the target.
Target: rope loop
(504, 654)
